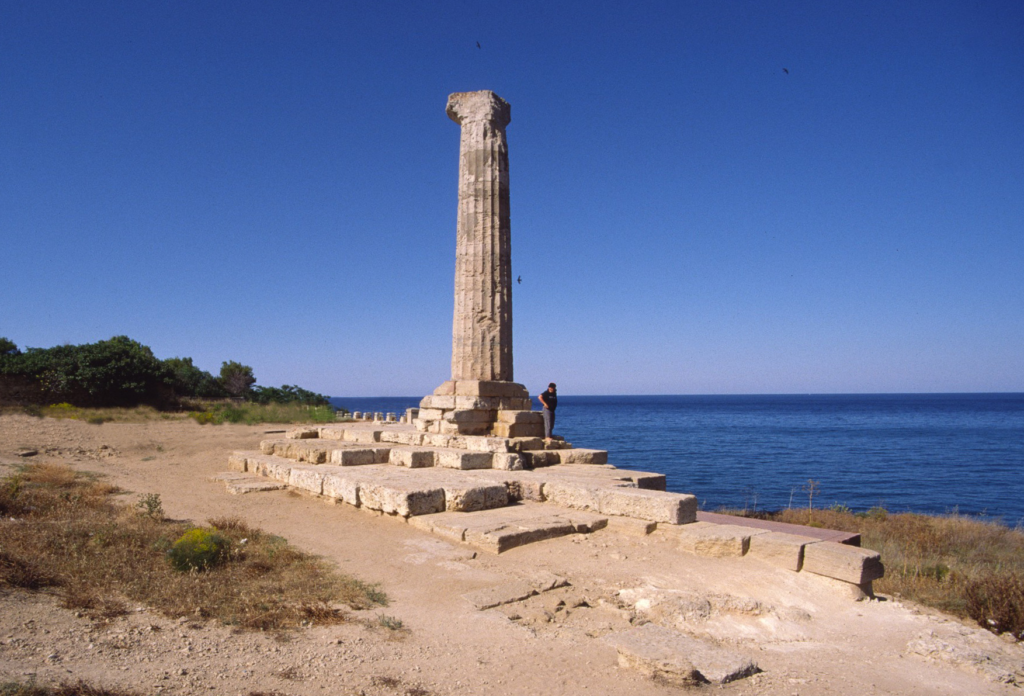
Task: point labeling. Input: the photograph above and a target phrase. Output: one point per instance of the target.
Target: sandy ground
(806, 635)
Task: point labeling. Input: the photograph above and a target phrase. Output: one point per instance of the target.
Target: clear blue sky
(275, 183)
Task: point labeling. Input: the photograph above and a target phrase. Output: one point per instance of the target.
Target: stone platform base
(497, 493)
(473, 407)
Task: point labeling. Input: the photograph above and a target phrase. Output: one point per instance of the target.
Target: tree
(189, 380)
(8, 347)
(237, 379)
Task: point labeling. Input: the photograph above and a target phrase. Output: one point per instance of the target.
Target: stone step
(498, 530)
(319, 451)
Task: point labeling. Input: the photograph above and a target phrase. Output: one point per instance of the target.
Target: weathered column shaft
(482, 324)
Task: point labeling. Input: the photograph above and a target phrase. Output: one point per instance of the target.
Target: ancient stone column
(482, 324)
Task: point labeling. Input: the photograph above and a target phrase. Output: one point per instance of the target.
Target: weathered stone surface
(433, 402)
(253, 485)
(511, 430)
(718, 540)
(843, 562)
(362, 436)
(508, 461)
(476, 443)
(470, 497)
(445, 389)
(312, 451)
(506, 593)
(272, 467)
(534, 417)
(527, 444)
(581, 456)
(400, 498)
(490, 388)
(540, 458)
(433, 414)
(461, 459)
(236, 461)
(469, 416)
(503, 538)
(303, 433)
(655, 506)
(360, 456)
(411, 457)
(572, 495)
(402, 437)
(482, 323)
(780, 549)
(628, 526)
(675, 658)
(342, 487)
(307, 478)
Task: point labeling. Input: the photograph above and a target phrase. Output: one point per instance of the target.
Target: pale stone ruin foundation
(471, 466)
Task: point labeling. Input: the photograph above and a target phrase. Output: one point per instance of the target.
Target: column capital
(468, 107)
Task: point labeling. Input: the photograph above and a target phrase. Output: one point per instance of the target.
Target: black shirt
(551, 398)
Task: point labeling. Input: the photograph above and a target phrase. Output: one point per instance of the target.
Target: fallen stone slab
(843, 562)
(630, 527)
(851, 538)
(716, 540)
(303, 433)
(780, 549)
(505, 537)
(506, 593)
(256, 485)
(666, 655)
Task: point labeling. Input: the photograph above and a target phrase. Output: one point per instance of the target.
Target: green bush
(198, 549)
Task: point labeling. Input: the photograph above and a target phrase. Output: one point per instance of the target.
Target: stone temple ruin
(473, 466)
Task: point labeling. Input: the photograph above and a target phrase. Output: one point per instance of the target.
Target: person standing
(549, 399)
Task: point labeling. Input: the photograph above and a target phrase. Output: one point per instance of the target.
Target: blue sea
(932, 453)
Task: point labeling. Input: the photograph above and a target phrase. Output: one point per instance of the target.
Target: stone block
(431, 414)
(437, 403)
(402, 437)
(464, 428)
(719, 541)
(507, 593)
(302, 433)
(400, 497)
(628, 526)
(411, 457)
(527, 444)
(437, 440)
(843, 562)
(469, 416)
(525, 489)
(446, 389)
(584, 522)
(536, 459)
(780, 549)
(271, 467)
(572, 495)
(236, 461)
(581, 456)
(654, 506)
(489, 388)
(514, 430)
(329, 433)
(360, 456)
(306, 478)
(362, 436)
(462, 459)
(342, 488)
(508, 461)
(469, 497)
(501, 539)
(674, 658)
(257, 485)
(521, 417)
(477, 443)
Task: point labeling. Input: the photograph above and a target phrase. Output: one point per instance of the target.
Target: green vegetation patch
(64, 531)
(79, 688)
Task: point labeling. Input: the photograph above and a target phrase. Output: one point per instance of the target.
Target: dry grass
(963, 565)
(63, 531)
(79, 688)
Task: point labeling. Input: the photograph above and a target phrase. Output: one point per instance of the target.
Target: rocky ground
(805, 635)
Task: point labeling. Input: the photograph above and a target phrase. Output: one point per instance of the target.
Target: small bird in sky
(478, 44)
(519, 280)
(785, 70)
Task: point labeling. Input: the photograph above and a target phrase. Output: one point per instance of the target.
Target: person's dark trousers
(549, 422)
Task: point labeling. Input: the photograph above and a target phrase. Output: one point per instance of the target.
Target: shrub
(997, 603)
(198, 549)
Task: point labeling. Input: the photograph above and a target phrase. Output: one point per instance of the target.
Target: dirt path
(807, 637)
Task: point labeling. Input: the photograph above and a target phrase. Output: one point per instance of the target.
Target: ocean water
(933, 453)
